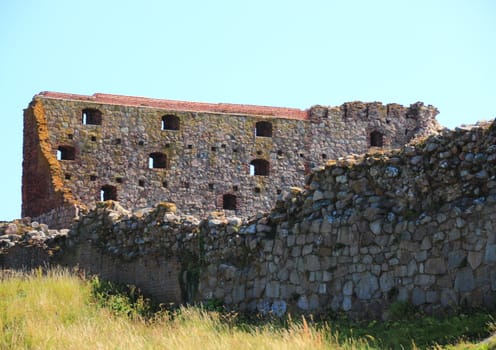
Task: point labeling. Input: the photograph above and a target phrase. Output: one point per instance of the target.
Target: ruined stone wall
(205, 158)
(416, 225)
(60, 217)
(336, 132)
(42, 184)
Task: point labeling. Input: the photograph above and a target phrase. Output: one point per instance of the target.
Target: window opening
(67, 176)
(66, 153)
(376, 139)
(108, 193)
(118, 180)
(235, 188)
(92, 177)
(93, 138)
(263, 129)
(257, 190)
(157, 161)
(141, 183)
(211, 187)
(229, 202)
(91, 116)
(259, 167)
(164, 184)
(170, 122)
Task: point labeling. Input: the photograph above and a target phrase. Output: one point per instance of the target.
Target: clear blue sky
(280, 52)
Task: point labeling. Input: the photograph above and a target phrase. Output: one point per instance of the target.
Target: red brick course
(281, 112)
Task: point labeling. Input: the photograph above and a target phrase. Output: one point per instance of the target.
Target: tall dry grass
(56, 311)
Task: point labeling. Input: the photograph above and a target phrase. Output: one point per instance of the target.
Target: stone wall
(416, 225)
(59, 217)
(26, 244)
(203, 161)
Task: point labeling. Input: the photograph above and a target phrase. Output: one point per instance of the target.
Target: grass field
(59, 310)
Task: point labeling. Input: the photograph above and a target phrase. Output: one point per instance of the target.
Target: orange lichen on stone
(167, 206)
(49, 155)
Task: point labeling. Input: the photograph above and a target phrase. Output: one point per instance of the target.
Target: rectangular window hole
(67, 176)
(211, 187)
(157, 160)
(167, 145)
(91, 116)
(66, 153)
(93, 177)
(70, 136)
(235, 150)
(223, 146)
(190, 146)
(93, 138)
(119, 180)
(257, 190)
(164, 184)
(185, 184)
(141, 183)
(117, 141)
(213, 149)
(235, 188)
(141, 142)
(279, 191)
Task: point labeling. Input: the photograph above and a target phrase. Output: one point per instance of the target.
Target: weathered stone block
(386, 281)
(424, 280)
(474, 259)
(435, 266)
(272, 289)
(376, 227)
(367, 285)
(456, 259)
(490, 254)
(464, 280)
(312, 263)
(418, 296)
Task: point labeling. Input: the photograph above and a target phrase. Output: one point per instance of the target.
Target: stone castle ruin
(411, 219)
(79, 150)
